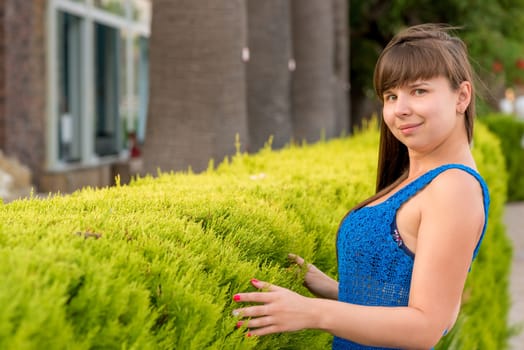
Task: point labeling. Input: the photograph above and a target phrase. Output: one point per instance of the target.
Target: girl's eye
(390, 97)
(419, 92)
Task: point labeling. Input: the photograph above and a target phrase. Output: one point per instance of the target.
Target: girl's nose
(402, 105)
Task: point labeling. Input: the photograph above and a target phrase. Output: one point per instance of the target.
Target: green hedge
(154, 265)
(510, 131)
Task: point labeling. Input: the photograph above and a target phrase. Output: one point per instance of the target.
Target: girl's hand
(280, 310)
(316, 281)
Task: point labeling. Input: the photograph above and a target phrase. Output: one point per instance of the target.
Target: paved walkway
(514, 220)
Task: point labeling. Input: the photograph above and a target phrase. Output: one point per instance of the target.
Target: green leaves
(510, 132)
(157, 262)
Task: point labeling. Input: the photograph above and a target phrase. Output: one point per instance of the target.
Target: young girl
(403, 254)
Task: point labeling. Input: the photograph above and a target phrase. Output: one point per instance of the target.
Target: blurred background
(91, 89)
(94, 89)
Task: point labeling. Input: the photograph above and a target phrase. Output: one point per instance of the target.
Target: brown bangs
(405, 63)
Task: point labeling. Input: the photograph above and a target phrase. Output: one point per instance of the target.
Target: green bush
(154, 265)
(510, 130)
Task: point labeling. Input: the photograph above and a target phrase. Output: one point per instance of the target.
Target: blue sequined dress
(374, 266)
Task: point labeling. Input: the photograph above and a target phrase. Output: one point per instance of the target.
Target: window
(98, 79)
(107, 89)
(69, 87)
(141, 94)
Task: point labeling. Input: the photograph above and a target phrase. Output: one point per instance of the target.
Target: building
(73, 87)
(75, 83)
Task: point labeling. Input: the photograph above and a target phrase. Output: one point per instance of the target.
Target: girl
(403, 254)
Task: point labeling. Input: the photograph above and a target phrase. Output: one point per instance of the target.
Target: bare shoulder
(456, 183)
(457, 192)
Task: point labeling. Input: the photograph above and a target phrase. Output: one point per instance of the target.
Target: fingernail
(236, 297)
(254, 280)
(236, 313)
(248, 335)
(239, 324)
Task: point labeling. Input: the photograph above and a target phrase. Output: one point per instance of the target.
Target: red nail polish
(239, 324)
(248, 335)
(236, 297)
(254, 280)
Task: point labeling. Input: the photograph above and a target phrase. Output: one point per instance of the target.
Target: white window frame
(89, 14)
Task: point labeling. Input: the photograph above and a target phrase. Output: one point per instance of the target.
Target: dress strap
(408, 191)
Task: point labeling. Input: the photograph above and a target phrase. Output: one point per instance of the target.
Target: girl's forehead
(417, 82)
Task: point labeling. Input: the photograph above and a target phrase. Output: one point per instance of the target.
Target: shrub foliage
(510, 131)
(154, 264)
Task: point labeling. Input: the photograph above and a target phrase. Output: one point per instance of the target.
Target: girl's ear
(464, 96)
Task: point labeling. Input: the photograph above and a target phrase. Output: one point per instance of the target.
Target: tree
(341, 64)
(491, 29)
(225, 67)
(267, 73)
(197, 100)
(312, 92)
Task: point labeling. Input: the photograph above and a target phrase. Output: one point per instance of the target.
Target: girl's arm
(318, 283)
(451, 222)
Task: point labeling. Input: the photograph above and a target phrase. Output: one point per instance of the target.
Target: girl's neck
(421, 163)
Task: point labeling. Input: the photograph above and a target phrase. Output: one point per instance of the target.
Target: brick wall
(22, 82)
(2, 75)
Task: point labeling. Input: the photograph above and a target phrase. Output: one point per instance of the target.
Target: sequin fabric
(374, 265)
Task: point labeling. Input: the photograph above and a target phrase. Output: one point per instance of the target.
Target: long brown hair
(420, 52)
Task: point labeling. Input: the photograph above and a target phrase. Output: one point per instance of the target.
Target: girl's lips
(408, 128)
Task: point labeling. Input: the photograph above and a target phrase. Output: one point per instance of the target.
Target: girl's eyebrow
(413, 85)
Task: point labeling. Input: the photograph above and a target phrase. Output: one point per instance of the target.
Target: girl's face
(425, 113)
